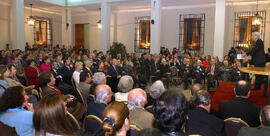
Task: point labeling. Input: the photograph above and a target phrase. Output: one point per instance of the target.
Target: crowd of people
(38, 87)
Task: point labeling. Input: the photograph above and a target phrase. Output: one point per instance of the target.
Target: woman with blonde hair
(76, 73)
(115, 119)
(50, 117)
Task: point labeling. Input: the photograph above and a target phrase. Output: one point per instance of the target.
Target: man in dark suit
(200, 121)
(67, 71)
(240, 107)
(263, 130)
(115, 74)
(257, 57)
(103, 96)
(88, 67)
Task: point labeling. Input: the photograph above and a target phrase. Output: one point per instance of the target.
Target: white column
(17, 19)
(156, 6)
(115, 28)
(66, 35)
(105, 30)
(219, 28)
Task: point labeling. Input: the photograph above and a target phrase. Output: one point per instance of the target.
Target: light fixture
(258, 18)
(99, 24)
(99, 21)
(31, 20)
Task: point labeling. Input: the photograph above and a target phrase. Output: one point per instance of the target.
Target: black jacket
(257, 53)
(240, 108)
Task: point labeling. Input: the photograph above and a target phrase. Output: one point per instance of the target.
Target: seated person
(13, 105)
(155, 91)
(103, 94)
(240, 107)
(263, 130)
(76, 73)
(164, 71)
(50, 117)
(199, 120)
(211, 73)
(115, 120)
(199, 72)
(170, 112)
(124, 86)
(99, 78)
(84, 85)
(138, 115)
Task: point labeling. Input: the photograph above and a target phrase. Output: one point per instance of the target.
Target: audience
(138, 115)
(240, 107)
(13, 105)
(50, 117)
(124, 86)
(263, 130)
(123, 73)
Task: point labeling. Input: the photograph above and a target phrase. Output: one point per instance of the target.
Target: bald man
(138, 115)
(103, 94)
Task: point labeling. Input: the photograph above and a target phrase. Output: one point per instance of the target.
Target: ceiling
(88, 6)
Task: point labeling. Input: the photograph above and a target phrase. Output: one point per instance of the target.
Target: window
(142, 40)
(191, 28)
(244, 24)
(42, 31)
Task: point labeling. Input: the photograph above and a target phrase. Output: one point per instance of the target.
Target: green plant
(117, 48)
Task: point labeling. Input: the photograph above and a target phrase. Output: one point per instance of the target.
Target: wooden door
(79, 35)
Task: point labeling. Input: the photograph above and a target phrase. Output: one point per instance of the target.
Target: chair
(233, 125)
(134, 130)
(175, 79)
(149, 108)
(73, 83)
(92, 123)
(40, 92)
(73, 121)
(78, 94)
(90, 98)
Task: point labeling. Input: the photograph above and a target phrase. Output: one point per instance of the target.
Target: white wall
(56, 26)
(5, 26)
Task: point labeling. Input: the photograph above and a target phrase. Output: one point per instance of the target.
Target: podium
(259, 71)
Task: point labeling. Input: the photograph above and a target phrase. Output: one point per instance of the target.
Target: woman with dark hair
(170, 112)
(46, 66)
(47, 84)
(32, 72)
(115, 119)
(13, 105)
(50, 117)
(4, 73)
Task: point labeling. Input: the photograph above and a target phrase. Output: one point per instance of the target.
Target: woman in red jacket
(32, 72)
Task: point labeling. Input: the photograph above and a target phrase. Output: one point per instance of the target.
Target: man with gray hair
(257, 57)
(88, 66)
(200, 121)
(137, 114)
(99, 78)
(263, 130)
(103, 94)
(124, 86)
